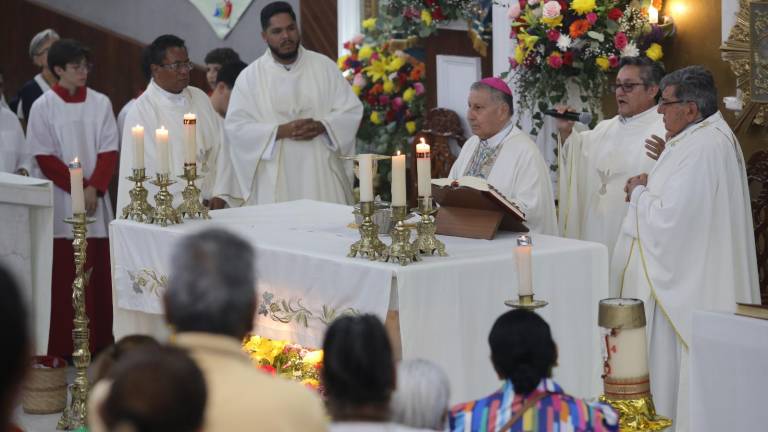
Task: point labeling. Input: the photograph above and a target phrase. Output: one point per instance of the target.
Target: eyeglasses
(627, 87)
(665, 103)
(81, 67)
(179, 66)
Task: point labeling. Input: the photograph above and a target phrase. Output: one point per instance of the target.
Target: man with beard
(291, 115)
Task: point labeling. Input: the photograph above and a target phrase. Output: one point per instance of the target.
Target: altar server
(292, 114)
(686, 242)
(165, 101)
(594, 164)
(505, 156)
(72, 121)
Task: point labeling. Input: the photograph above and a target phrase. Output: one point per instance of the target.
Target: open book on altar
(470, 207)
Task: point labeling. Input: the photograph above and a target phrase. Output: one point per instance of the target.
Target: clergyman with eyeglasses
(163, 104)
(594, 164)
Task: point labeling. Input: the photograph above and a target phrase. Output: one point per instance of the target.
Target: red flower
(429, 3)
(268, 369)
(383, 99)
(564, 5)
(390, 116)
(568, 58)
(620, 41)
(371, 99)
(553, 35)
(437, 13)
(614, 14)
(579, 28)
(555, 60)
(613, 61)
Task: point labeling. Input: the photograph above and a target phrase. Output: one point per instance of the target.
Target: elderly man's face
(173, 75)
(632, 96)
(486, 115)
(678, 114)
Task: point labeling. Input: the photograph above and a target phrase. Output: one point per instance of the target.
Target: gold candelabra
(401, 249)
(426, 243)
(139, 209)
(75, 414)
(165, 214)
(369, 244)
(191, 207)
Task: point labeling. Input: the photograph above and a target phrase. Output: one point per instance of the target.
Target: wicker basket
(45, 388)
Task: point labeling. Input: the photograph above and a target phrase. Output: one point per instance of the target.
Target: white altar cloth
(729, 354)
(26, 246)
(446, 304)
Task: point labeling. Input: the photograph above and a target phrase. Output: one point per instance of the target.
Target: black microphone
(583, 117)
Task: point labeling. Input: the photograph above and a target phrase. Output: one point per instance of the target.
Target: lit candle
(653, 15)
(138, 146)
(161, 138)
(190, 148)
(76, 187)
(398, 180)
(423, 169)
(366, 177)
(523, 258)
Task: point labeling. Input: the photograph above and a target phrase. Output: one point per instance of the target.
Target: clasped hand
(633, 182)
(300, 130)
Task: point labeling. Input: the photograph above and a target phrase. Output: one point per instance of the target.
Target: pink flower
(513, 63)
(592, 18)
(383, 99)
(375, 56)
(514, 11)
(419, 87)
(620, 41)
(551, 9)
(357, 39)
(359, 80)
(555, 60)
(613, 61)
(553, 35)
(397, 103)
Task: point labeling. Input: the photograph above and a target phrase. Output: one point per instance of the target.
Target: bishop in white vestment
(595, 164)
(291, 115)
(687, 242)
(505, 156)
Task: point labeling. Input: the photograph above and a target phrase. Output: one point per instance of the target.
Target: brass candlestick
(139, 209)
(165, 214)
(526, 302)
(75, 415)
(426, 243)
(401, 249)
(191, 207)
(369, 244)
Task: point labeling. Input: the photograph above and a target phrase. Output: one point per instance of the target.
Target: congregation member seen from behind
(421, 398)
(17, 347)
(523, 355)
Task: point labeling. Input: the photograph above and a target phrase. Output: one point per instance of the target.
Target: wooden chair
(757, 178)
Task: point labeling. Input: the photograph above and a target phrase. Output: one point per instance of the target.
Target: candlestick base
(369, 244)
(75, 414)
(165, 214)
(138, 209)
(426, 243)
(401, 250)
(637, 414)
(526, 302)
(192, 207)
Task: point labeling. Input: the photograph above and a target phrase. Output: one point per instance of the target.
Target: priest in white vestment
(687, 242)
(165, 101)
(291, 115)
(15, 156)
(595, 164)
(505, 156)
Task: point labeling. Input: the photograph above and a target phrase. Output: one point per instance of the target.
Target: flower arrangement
(287, 360)
(421, 17)
(579, 41)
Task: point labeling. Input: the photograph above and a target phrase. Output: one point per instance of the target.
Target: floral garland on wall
(578, 41)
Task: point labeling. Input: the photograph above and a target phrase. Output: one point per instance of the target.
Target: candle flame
(398, 153)
(423, 141)
(76, 161)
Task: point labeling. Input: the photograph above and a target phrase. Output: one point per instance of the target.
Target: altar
(444, 306)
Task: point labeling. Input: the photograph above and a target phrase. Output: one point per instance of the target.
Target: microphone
(583, 117)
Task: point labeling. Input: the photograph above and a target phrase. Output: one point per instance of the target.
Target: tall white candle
(190, 147)
(653, 15)
(366, 177)
(398, 180)
(627, 355)
(76, 187)
(138, 146)
(161, 138)
(423, 169)
(524, 270)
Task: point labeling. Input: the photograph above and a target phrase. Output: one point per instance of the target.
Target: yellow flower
(356, 90)
(395, 64)
(365, 52)
(341, 61)
(314, 357)
(388, 86)
(426, 17)
(602, 63)
(410, 127)
(369, 23)
(553, 22)
(311, 382)
(377, 70)
(654, 52)
(409, 94)
(583, 6)
(528, 41)
(519, 54)
(375, 119)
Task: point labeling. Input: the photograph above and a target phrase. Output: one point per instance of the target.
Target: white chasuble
(594, 168)
(14, 152)
(157, 107)
(686, 244)
(519, 173)
(268, 94)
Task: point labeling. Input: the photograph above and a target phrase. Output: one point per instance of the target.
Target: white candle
(190, 148)
(138, 146)
(161, 138)
(423, 169)
(627, 355)
(366, 177)
(76, 187)
(524, 271)
(398, 180)
(653, 15)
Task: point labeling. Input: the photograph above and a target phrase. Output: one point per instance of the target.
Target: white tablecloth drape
(446, 304)
(728, 360)
(26, 246)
